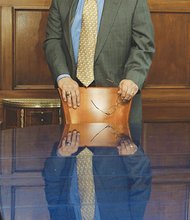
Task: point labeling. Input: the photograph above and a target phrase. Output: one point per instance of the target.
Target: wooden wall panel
(171, 61)
(174, 136)
(168, 145)
(37, 205)
(6, 48)
(166, 204)
(29, 148)
(31, 70)
(169, 5)
(35, 3)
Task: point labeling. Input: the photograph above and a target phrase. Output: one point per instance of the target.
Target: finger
(74, 99)
(74, 137)
(127, 141)
(123, 89)
(64, 95)
(69, 100)
(63, 143)
(77, 139)
(132, 92)
(69, 137)
(127, 97)
(122, 144)
(119, 91)
(119, 149)
(77, 96)
(123, 92)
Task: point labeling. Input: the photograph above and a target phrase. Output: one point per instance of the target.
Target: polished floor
(95, 172)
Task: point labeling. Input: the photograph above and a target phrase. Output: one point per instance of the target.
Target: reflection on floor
(121, 179)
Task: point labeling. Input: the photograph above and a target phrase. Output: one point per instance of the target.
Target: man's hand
(127, 89)
(69, 144)
(127, 147)
(70, 91)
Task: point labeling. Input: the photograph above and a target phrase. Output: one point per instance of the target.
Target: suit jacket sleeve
(142, 50)
(53, 44)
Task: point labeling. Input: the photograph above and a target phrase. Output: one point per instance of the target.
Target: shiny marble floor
(125, 175)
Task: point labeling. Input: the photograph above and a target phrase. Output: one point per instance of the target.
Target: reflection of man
(122, 183)
(122, 46)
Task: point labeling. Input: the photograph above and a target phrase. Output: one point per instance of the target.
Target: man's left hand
(127, 89)
(69, 144)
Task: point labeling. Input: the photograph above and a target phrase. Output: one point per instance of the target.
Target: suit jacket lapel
(108, 16)
(67, 27)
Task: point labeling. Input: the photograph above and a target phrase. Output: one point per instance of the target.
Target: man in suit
(123, 51)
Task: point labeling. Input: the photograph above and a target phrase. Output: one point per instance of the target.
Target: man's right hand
(70, 91)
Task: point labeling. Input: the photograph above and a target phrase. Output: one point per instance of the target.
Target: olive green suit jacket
(125, 43)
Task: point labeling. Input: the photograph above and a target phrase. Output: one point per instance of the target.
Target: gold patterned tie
(87, 45)
(86, 184)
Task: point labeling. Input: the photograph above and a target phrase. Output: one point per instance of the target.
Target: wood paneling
(172, 205)
(29, 59)
(6, 48)
(35, 3)
(172, 137)
(171, 62)
(37, 208)
(37, 149)
(168, 145)
(36, 201)
(169, 5)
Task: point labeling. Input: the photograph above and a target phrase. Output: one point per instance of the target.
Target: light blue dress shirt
(76, 28)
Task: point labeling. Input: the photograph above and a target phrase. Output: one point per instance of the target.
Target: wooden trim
(24, 87)
(30, 7)
(28, 94)
(1, 48)
(169, 6)
(155, 5)
(163, 95)
(25, 2)
(32, 103)
(152, 86)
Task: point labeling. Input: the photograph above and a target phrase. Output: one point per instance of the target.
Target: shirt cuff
(64, 75)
